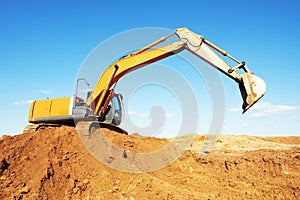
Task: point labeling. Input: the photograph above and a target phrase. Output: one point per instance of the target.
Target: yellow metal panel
(60, 107)
(31, 111)
(49, 108)
(41, 108)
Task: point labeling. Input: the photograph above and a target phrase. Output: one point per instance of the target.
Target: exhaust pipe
(252, 88)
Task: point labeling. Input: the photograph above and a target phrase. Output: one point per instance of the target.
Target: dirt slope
(52, 163)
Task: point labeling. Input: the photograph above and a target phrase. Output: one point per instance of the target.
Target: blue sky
(44, 43)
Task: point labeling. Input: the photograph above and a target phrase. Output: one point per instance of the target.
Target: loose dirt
(52, 163)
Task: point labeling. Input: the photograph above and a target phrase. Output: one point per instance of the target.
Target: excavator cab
(115, 111)
(113, 114)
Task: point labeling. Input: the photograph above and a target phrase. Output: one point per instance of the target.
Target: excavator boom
(252, 88)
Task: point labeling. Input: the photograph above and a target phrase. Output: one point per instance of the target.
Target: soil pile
(52, 163)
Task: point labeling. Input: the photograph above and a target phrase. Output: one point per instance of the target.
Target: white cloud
(142, 114)
(45, 91)
(267, 109)
(264, 109)
(23, 102)
(235, 109)
(169, 115)
(244, 124)
(131, 113)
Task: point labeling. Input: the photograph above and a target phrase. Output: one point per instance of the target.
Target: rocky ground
(53, 163)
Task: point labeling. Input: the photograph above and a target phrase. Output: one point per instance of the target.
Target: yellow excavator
(103, 107)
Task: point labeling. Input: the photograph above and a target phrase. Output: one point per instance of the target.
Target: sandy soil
(53, 163)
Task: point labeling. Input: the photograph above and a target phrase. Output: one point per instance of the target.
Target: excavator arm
(252, 88)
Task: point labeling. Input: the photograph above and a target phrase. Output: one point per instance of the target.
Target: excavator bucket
(252, 89)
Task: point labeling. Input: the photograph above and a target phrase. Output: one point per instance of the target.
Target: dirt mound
(52, 163)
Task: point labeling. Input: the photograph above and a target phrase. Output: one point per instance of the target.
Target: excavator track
(35, 127)
(86, 128)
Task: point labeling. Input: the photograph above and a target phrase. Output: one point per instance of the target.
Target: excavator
(104, 108)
